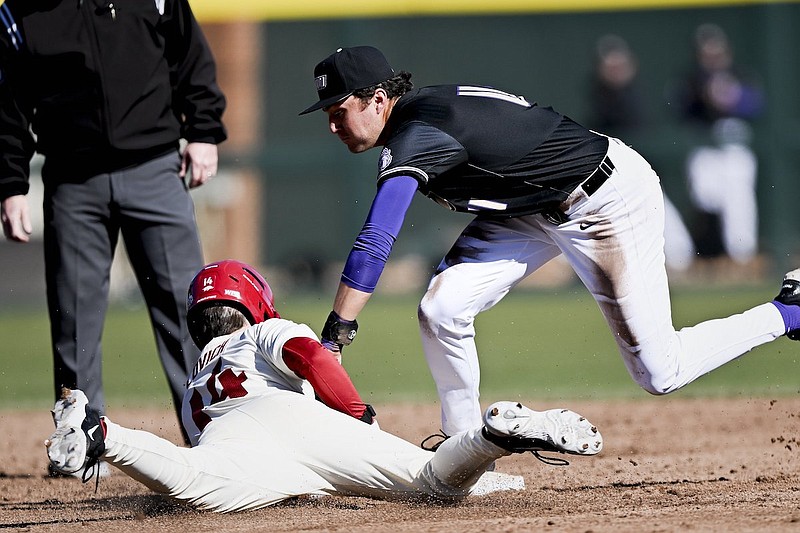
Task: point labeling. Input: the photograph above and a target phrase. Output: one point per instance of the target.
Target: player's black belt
(589, 186)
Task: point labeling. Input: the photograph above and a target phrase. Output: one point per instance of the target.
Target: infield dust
(669, 464)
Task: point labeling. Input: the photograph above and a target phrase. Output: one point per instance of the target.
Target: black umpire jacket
(101, 83)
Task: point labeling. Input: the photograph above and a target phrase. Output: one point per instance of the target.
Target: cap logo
(348, 70)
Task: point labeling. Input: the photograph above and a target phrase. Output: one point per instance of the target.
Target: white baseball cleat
(518, 429)
(78, 441)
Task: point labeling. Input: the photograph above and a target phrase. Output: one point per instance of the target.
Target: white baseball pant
(283, 444)
(614, 241)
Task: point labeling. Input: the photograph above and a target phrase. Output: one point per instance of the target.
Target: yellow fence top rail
(283, 10)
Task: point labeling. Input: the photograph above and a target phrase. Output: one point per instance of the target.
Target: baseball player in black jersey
(540, 185)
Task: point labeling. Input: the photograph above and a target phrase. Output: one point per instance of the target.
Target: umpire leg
(160, 235)
(79, 236)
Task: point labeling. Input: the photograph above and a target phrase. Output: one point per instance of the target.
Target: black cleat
(790, 295)
(79, 439)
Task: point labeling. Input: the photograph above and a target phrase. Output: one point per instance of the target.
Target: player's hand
(338, 332)
(16, 218)
(201, 159)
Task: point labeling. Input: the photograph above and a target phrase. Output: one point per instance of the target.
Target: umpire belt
(590, 185)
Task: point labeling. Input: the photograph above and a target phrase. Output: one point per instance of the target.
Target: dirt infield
(669, 464)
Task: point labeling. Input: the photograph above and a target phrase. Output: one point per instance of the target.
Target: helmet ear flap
(194, 326)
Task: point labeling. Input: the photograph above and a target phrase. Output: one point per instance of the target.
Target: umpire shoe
(790, 295)
(516, 428)
(79, 438)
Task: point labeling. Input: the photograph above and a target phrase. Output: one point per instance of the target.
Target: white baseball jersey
(236, 368)
(259, 436)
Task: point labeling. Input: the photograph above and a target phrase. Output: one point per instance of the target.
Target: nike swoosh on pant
(587, 225)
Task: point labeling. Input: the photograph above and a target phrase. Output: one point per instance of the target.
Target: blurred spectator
(617, 106)
(716, 87)
(720, 99)
(618, 110)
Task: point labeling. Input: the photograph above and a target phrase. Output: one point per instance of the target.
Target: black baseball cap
(348, 70)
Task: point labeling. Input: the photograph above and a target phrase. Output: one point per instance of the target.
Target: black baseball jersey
(480, 150)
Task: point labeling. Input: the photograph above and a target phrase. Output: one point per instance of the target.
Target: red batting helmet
(233, 283)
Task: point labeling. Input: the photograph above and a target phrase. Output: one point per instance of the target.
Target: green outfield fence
(315, 193)
(542, 50)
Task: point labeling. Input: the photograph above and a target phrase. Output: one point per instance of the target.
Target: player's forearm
(367, 259)
(349, 301)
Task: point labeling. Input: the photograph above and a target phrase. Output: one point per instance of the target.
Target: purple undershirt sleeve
(374, 243)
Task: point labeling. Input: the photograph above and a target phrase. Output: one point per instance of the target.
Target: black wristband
(338, 330)
(369, 414)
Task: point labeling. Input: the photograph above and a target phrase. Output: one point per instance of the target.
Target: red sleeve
(311, 361)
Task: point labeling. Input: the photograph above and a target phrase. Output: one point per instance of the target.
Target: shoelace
(94, 464)
(552, 461)
(435, 446)
(90, 426)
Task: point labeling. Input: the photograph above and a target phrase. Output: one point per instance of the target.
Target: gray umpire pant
(84, 216)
